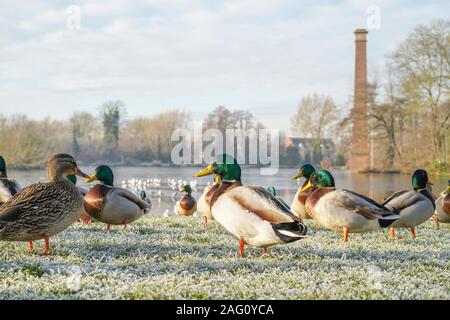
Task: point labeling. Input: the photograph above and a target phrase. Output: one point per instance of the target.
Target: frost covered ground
(175, 258)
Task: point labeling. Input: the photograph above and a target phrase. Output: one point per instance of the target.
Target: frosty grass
(175, 258)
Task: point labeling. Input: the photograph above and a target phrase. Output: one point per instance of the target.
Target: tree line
(409, 112)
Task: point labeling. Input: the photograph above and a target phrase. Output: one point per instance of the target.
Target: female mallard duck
(42, 210)
(442, 213)
(343, 210)
(84, 216)
(250, 213)
(8, 187)
(298, 203)
(112, 205)
(203, 202)
(415, 206)
(187, 205)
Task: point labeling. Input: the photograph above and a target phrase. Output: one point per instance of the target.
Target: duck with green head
(250, 213)
(187, 205)
(298, 203)
(203, 202)
(343, 210)
(8, 187)
(414, 206)
(442, 213)
(112, 205)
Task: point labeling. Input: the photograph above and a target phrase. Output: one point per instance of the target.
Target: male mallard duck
(343, 210)
(415, 206)
(42, 210)
(143, 196)
(298, 203)
(250, 213)
(203, 202)
(8, 186)
(187, 205)
(84, 216)
(112, 205)
(442, 213)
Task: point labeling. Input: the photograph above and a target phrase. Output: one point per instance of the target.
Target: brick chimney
(359, 156)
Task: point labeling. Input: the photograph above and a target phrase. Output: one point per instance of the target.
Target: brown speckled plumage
(43, 209)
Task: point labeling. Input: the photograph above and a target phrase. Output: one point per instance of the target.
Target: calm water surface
(376, 186)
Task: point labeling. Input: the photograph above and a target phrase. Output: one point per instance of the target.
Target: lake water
(376, 186)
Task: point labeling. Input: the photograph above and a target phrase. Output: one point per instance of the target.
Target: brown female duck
(42, 210)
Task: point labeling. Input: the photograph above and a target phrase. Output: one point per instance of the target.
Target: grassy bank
(168, 258)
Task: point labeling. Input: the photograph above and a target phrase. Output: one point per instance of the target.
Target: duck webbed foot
(46, 251)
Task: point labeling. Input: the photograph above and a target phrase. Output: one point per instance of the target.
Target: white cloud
(261, 55)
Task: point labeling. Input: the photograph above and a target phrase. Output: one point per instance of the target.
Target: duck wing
(405, 199)
(35, 207)
(130, 196)
(368, 208)
(394, 196)
(262, 203)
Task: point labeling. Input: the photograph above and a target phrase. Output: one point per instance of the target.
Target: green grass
(175, 258)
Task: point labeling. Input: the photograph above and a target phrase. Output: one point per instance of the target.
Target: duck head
(321, 179)
(186, 188)
(305, 171)
(62, 165)
(3, 168)
(224, 166)
(103, 174)
(143, 195)
(420, 179)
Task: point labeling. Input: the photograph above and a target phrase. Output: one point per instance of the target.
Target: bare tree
(387, 116)
(422, 65)
(316, 116)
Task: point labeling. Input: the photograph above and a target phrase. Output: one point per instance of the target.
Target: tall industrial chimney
(360, 156)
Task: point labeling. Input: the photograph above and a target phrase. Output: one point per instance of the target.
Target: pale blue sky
(192, 55)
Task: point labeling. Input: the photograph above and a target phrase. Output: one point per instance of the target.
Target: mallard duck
(250, 213)
(203, 203)
(414, 206)
(112, 205)
(84, 216)
(442, 213)
(143, 196)
(298, 203)
(42, 210)
(8, 186)
(187, 205)
(343, 210)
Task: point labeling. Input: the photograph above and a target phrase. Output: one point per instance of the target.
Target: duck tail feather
(387, 221)
(290, 231)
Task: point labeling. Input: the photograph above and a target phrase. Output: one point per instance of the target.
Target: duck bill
(181, 189)
(91, 178)
(308, 185)
(80, 173)
(205, 172)
(429, 182)
(298, 175)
